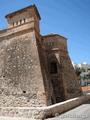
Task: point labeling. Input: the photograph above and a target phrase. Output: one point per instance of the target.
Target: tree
(78, 71)
(88, 77)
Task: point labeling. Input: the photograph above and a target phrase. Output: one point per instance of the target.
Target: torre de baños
(35, 70)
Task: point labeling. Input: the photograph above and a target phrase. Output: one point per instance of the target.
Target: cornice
(17, 33)
(18, 29)
(55, 49)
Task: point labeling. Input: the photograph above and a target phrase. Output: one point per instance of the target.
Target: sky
(69, 18)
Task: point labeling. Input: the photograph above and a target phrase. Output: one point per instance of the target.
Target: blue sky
(69, 18)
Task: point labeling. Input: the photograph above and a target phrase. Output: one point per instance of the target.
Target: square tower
(62, 75)
(35, 70)
(24, 78)
(28, 15)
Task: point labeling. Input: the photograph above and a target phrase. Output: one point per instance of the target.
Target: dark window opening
(13, 24)
(49, 43)
(17, 23)
(52, 43)
(20, 22)
(46, 43)
(24, 20)
(53, 68)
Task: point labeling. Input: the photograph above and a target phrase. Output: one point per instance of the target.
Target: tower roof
(54, 34)
(23, 9)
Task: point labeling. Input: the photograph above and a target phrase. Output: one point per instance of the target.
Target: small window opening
(17, 23)
(20, 22)
(24, 20)
(49, 43)
(53, 68)
(46, 43)
(52, 43)
(13, 24)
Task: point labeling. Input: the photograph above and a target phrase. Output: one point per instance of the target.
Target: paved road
(81, 112)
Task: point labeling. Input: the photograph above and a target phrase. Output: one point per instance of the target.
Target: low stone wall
(43, 112)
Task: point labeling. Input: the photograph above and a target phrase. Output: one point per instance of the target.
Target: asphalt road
(81, 112)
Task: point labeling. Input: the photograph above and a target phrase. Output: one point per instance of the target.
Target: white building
(82, 65)
(84, 80)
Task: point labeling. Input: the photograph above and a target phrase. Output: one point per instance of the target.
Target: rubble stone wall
(70, 81)
(43, 112)
(21, 82)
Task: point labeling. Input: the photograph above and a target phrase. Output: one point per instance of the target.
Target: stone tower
(35, 70)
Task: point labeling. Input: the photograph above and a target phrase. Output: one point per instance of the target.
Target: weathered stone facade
(35, 70)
